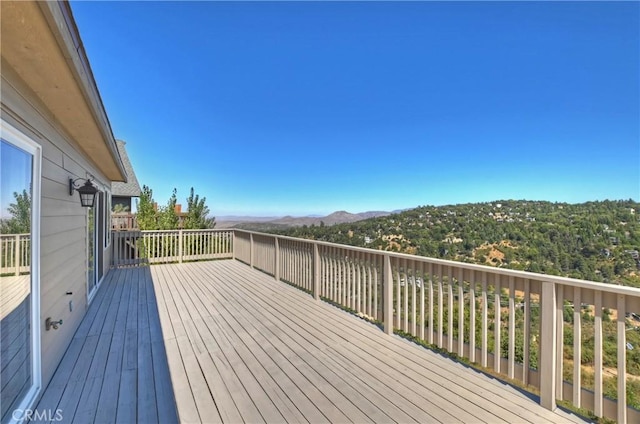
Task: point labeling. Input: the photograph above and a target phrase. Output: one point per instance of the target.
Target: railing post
(548, 346)
(16, 254)
(180, 245)
(387, 295)
(114, 248)
(276, 265)
(316, 272)
(233, 245)
(251, 250)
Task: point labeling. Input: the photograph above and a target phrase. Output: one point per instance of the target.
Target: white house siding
(63, 242)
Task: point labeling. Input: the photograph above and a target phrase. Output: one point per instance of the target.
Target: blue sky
(272, 108)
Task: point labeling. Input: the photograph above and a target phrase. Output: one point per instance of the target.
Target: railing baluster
(387, 290)
(511, 371)
(316, 272)
(527, 331)
(622, 360)
(577, 346)
(429, 278)
(398, 309)
(597, 352)
(497, 346)
(276, 260)
(548, 311)
(358, 265)
(472, 317)
(376, 283)
(461, 312)
(450, 308)
(16, 253)
(180, 245)
(405, 303)
(413, 298)
(440, 306)
(484, 324)
(559, 341)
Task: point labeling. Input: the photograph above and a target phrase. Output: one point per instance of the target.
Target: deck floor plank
(280, 397)
(88, 404)
(166, 405)
(222, 378)
(184, 398)
(347, 387)
(218, 341)
(406, 411)
(190, 350)
(314, 332)
(108, 401)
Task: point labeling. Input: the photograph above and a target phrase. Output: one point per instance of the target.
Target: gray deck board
(220, 342)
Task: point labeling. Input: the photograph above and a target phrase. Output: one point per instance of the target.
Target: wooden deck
(14, 341)
(220, 342)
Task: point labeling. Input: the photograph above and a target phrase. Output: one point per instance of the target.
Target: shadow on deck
(220, 342)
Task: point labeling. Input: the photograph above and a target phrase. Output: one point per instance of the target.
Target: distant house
(55, 136)
(122, 193)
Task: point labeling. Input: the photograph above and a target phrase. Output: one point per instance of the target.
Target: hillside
(596, 241)
(281, 224)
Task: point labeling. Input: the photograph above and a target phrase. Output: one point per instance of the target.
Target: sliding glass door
(19, 273)
(95, 244)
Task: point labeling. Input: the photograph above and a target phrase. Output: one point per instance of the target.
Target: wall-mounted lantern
(87, 192)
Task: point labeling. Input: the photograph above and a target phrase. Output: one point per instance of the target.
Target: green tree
(197, 213)
(147, 215)
(20, 221)
(119, 208)
(167, 216)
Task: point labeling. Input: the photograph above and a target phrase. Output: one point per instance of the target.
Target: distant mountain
(242, 218)
(263, 224)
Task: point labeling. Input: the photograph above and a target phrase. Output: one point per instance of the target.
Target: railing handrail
(587, 284)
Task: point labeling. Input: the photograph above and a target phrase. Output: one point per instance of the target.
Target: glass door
(19, 273)
(95, 243)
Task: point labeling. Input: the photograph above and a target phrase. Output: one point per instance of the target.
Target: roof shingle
(131, 188)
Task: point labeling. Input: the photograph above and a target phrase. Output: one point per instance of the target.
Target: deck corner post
(387, 295)
(316, 272)
(251, 250)
(276, 259)
(180, 245)
(548, 346)
(233, 245)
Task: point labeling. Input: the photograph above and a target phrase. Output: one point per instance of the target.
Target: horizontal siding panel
(52, 225)
(53, 189)
(64, 258)
(54, 172)
(75, 240)
(57, 207)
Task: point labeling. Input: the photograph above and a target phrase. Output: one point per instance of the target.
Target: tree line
(152, 217)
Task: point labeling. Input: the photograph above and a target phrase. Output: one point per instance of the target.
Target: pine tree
(147, 216)
(167, 216)
(197, 212)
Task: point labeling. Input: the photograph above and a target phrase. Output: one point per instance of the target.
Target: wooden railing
(124, 221)
(513, 323)
(15, 253)
(132, 248)
(523, 326)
